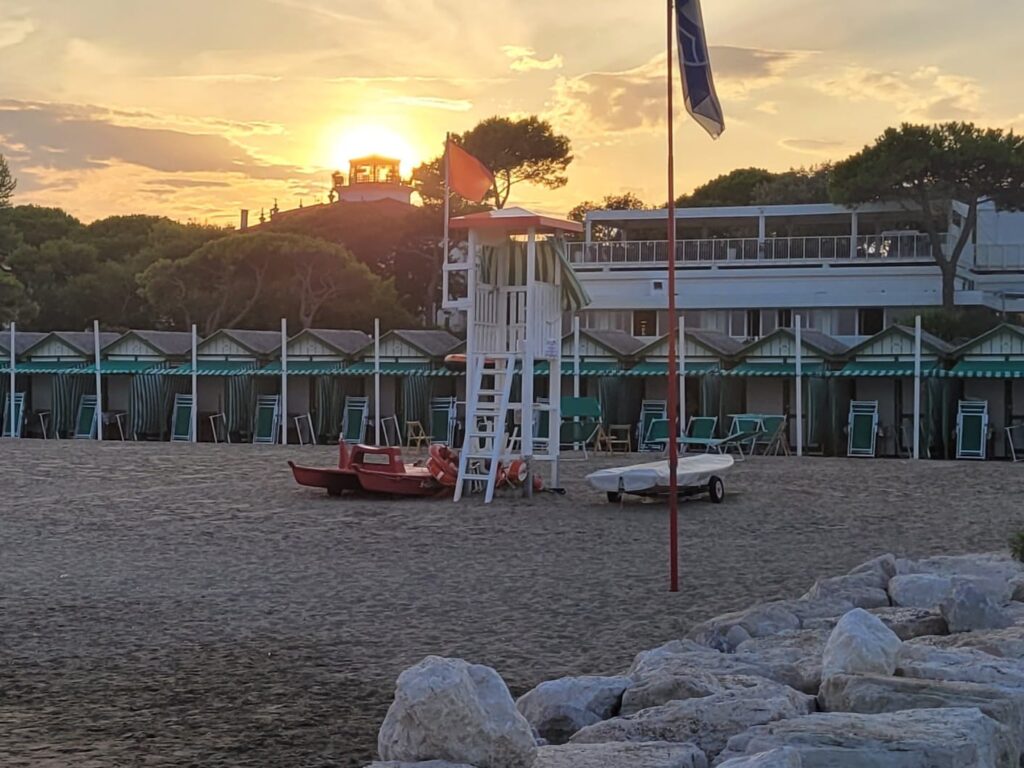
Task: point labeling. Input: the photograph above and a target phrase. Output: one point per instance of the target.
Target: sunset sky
(196, 109)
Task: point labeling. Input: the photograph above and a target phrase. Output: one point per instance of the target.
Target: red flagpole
(673, 371)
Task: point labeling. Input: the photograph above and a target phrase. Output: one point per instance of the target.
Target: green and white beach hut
(604, 359)
(22, 341)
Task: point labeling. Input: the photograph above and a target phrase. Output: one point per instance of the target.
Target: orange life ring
(442, 465)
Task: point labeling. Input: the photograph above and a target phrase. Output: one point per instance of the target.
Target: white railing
(999, 257)
(899, 246)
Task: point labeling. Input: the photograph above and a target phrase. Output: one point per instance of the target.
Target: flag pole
(673, 373)
(447, 215)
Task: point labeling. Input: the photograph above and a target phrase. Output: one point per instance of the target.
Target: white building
(746, 271)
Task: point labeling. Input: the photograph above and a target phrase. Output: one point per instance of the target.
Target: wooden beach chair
(268, 419)
(181, 419)
(87, 419)
(415, 435)
(775, 439)
(651, 410)
(972, 429)
(700, 433)
(581, 420)
(442, 420)
(862, 429)
(354, 419)
(19, 415)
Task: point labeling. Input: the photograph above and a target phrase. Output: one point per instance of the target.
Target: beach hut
(767, 368)
(604, 359)
(22, 341)
(881, 370)
(134, 387)
(59, 371)
(990, 369)
(226, 364)
(412, 374)
(316, 387)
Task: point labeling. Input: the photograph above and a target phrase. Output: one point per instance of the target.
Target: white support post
(528, 357)
(797, 322)
(761, 228)
(576, 356)
(99, 380)
(284, 381)
(13, 362)
(588, 226)
(376, 381)
(194, 417)
(682, 375)
(853, 235)
(917, 387)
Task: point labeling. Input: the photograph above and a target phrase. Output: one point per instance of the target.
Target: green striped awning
(592, 368)
(776, 369)
(653, 369)
(121, 367)
(551, 259)
(366, 368)
(303, 368)
(884, 369)
(986, 369)
(49, 366)
(215, 368)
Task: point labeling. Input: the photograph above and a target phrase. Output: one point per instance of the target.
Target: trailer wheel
(614, 497)
(716, 489)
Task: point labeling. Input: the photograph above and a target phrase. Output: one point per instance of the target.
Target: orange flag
(467, 175)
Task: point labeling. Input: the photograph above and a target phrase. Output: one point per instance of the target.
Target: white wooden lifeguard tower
(514, 283)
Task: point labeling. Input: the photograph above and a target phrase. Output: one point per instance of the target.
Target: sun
(362, 140)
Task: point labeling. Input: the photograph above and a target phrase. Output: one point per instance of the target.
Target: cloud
(14, 31)
(524, 59)
(433, 102)
(927, 94)
(812, 146)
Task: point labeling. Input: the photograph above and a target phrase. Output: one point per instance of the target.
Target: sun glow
(362, 140)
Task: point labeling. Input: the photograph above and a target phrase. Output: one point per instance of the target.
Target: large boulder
(860, 644)
(994, 566)
(419, 764)
(967, 608)
(803, 649)
(1006, 643)
(919, 590)
(965, 664)
(905, 622)
(872, 695)
(725, 632)
(708, 721)
(448, 709)
(863, 590)
(884, 566)
(671, 684)
(916, 738)
(784, 757)
(559, 708)
(621, 755)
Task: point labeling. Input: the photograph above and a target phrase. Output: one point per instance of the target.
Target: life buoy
(442, 465)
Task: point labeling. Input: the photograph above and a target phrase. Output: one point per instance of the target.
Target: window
(694, 319)
(738, 324)
(870, 321)
(754, 323)
(645, 323)
(607, 320)
(846, 322)
(785, 318)
(769, 321)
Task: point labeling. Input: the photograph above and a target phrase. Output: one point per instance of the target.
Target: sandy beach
(168, 605)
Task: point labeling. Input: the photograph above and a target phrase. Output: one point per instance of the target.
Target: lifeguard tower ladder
(513, 282)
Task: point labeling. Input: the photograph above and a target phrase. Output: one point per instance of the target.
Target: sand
(189, 605)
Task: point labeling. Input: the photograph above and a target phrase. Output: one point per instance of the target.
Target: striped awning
(776, 369)
(654, 369)
(366, 368)
(891, 369)
(215, 368)
(304, 368)
(122, 367)
(986, 369)
(551, 259)
(592, 368)
(49, 366)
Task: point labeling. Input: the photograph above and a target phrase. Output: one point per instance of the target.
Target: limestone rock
(860, 644)
(916, 738)
(708, 721)
(907, 623)
(680, 682)
(996, 566)
(621, 755)
(863, 590)
(559, 708)
(968, 608)
(1006, 643)
(884, 566)
(759, 621)
(919, 590)
(784, 757)
(448, 709)
(420, 764)
(965, 664)
(803, 649)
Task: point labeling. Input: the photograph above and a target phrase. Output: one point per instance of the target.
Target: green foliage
(35, 224)
(627, 201)
(797, 186)
(1017, 546)
(7, 183)
(15, 305)
(733, 188)
(957, 325)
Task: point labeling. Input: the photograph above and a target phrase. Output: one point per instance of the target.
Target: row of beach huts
(146, 380)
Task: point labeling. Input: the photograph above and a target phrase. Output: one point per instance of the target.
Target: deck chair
(744, 431)
(651, 410)
(87, 419)
(972, 429)
(700, 433)
(1015, 441)
(862, 428)
(415, 435)
(581, 419)
(775, 439)
(656, 437)
(19, 415)
(442, 420)
(268, 418)
(181, 419)
(354, 419)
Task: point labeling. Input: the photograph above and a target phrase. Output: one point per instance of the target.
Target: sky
(195, 110)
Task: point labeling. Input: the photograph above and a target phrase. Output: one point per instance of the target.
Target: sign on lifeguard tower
(514, 283)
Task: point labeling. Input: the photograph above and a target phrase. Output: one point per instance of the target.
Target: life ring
(442, 465)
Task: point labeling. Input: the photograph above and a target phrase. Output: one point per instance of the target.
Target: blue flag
(698, 85)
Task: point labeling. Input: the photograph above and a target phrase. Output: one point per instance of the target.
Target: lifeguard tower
(371, 178)
(514, 283)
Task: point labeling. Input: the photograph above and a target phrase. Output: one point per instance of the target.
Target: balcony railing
(901, 246)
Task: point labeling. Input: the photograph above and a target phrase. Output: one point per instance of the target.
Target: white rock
(419, 764)
(965, 664)
(917, 738)
(447, 709)
(967, 608)
(759, 621)
(621, 755)
(1007, 643)
(559, 708)
(863, 590)
(919, 590)
(884, 566)
(997, 566)
(784, 757)
(803, 649)
(708, 721)
(860, 644)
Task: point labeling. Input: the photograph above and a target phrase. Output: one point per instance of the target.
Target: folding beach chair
(651, 410)
(268, 419)
(87, 419)
(700, 433)
(972, 429)
(581, 420)
(862, 428)
(181, 419)
(745, 430)
(775, 438)
(353, 422)
(442, 420)
(19, 415)
(1015, 442)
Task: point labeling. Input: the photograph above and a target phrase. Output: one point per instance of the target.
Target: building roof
(816, 340)
(620, 342)
(22, 341)
(743, 211)
(967, 345)
(433, 343)
(346, 342)
(930, 339)
(82, 342)
(171, 343)
(260, 342)
(720, 342)
(515, 220)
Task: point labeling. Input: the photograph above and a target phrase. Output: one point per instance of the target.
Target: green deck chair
(581, 421)
(181, 419)
(267, 419)
(700, 432)
(862, 428)
(651, 410)
(972, 429)
(87, 418)
(442, 420)
(744, 431)
(19, 415)
(656, 437)
(354, 419)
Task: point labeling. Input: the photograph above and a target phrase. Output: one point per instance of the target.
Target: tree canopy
(733, 188)
(7, 183)
(927, 168)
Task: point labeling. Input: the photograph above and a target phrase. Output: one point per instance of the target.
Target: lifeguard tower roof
(515, 220)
